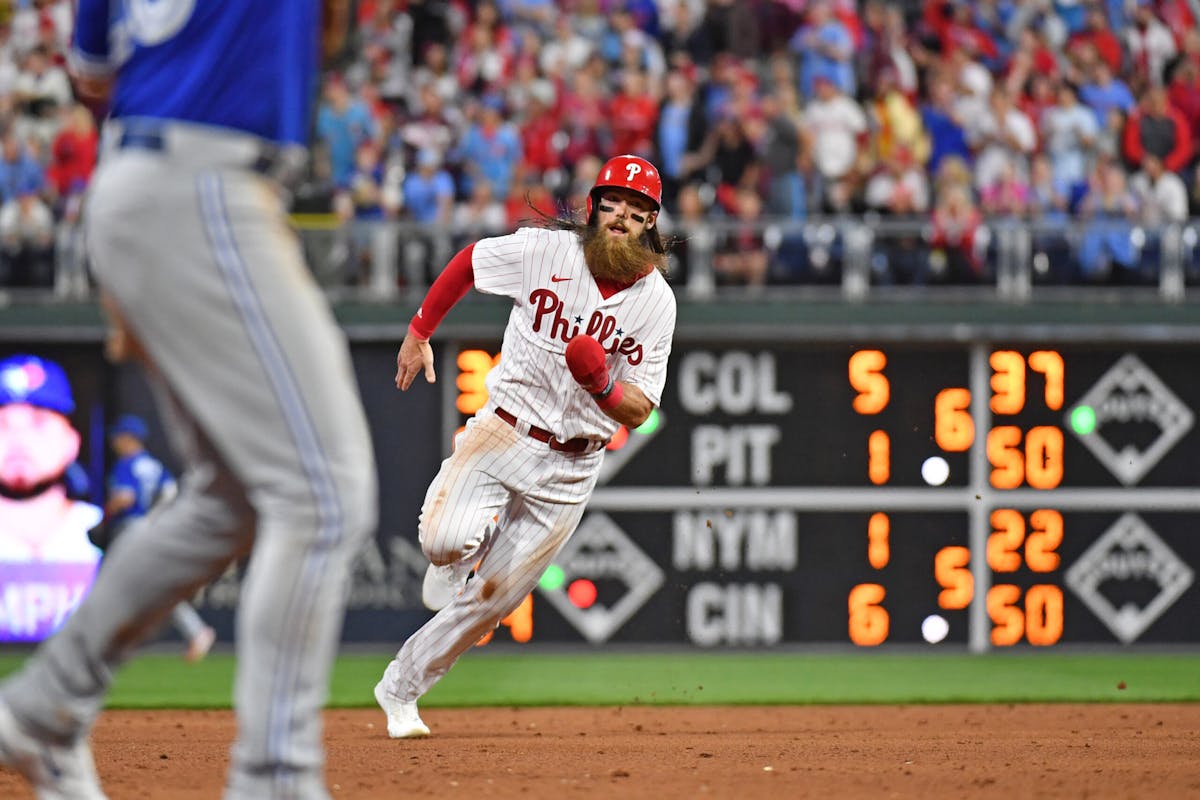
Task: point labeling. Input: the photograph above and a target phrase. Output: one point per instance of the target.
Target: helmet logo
(21, 380)
(633, 169)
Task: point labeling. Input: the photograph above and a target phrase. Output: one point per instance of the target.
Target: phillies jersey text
(554, 298)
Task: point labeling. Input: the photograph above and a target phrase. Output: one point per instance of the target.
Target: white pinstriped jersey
(554, 298)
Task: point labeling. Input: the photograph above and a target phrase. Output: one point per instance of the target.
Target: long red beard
(617, 258)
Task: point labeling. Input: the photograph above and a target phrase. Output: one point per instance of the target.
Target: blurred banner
(50, 405)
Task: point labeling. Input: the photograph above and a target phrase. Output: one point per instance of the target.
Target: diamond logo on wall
(624, 576)
(1137, 419)
(1129, 577)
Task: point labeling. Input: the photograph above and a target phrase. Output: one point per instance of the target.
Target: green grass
(592, 678)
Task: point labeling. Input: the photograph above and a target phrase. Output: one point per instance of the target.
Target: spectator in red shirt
(965, 32)
(540, 133)
(956, 224)
(632, 115)
(1031, 58)
(1184, 93)
(528, 192)
(954, 26)
(1098, 34)
(583, 114)
(72, 154)
(1039, 94)
(1156, 127)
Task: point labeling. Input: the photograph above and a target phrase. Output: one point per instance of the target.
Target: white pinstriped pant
(537, 496)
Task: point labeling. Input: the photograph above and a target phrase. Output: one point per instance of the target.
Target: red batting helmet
(628, 172)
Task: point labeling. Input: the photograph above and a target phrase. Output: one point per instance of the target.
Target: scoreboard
(982, 495)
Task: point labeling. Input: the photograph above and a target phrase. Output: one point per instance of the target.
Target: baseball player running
(137, 483)
(187, 235)
(585, 350)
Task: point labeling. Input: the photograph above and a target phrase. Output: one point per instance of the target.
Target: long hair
(577, 223)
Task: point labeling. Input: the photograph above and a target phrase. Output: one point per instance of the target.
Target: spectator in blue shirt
(1105, 92)
(826, 49)
(947, 136)
(20, 173)
(429, 190)
(1109, 210)
(429, 197)
(491, 149)
(1069, 132)
(1072, 13)
(343, 122)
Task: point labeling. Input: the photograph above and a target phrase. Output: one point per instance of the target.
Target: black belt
(142, 137)
(578, 445)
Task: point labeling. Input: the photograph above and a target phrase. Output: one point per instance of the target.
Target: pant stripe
(300, 424)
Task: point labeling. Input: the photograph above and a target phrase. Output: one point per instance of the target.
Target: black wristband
(606, 391)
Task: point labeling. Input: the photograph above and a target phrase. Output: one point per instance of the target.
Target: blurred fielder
(189, 240)
(137, 483)
(585, 351)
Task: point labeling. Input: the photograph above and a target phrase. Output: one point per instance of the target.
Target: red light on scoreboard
(619, 439)
(582, 593)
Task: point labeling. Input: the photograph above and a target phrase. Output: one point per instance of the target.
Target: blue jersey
(206, 62)
(144, 476)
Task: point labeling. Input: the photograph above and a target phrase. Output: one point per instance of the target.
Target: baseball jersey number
(152, 22)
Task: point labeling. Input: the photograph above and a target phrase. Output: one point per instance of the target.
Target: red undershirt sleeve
(447, 290)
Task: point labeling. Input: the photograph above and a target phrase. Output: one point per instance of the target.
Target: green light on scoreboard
(553, 578)
(1083, 420)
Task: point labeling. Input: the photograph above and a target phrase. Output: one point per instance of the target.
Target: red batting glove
(585, 359)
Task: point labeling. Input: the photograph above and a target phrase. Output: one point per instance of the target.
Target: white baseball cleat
(443, 584)
(402, 718)
(56, 772)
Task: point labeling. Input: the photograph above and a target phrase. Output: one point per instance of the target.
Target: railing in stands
(845, 259)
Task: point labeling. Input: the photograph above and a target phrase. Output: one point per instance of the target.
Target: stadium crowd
(1077, 117)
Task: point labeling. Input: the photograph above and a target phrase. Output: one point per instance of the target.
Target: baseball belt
(577, 445)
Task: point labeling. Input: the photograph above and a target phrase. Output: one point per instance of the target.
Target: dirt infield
(1075, 751)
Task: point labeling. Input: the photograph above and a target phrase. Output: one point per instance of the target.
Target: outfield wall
(818, 473)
